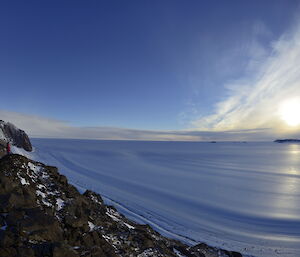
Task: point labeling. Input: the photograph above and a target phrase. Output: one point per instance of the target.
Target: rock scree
(42, 215)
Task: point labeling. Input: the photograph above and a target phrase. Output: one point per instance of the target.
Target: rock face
(17, 136)
(42, 215)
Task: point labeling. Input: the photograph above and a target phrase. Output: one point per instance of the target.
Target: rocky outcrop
(42, 215)
(290, 140)
(16, 136)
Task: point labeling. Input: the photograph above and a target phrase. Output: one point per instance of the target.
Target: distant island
(290, 140)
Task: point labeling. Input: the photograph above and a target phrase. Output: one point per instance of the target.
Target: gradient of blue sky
(136, 64)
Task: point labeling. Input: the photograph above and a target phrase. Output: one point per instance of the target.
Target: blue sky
(145, 65)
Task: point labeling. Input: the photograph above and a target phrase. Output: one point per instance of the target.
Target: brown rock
(64, 251)
(8, 252)
(6, 239)
(25, 252)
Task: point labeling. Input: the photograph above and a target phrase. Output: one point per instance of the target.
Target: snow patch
(35, 168)
(44, 199)
(112, 216)
(24, 181)
(59, 204)
(40, 193)
(129, 226)
(40, 186)
(46, 203)
(106, 237)
(148, 253)
(21, 151)
(94, 199)
(178, 253)
(91, 225)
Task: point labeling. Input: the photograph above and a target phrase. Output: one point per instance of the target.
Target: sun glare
(289, 111)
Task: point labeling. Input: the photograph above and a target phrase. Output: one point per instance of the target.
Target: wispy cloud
(252, 101)
(37, 126)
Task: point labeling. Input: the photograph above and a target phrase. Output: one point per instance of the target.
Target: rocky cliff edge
(10, 133)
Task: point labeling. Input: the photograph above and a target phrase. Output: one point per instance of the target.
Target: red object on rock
(8, 148)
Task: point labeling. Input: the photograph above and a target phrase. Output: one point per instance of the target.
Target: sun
(289, 111)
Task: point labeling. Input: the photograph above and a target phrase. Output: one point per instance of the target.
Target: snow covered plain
(239, 196)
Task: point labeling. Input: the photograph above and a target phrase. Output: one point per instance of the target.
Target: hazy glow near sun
(289, 111)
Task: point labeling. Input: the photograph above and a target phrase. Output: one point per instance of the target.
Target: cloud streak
(253, 101)
(41, 127)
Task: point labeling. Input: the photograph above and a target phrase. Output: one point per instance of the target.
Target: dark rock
(74, 222)
(8, 252)
(6, 239)
(61, 250)
(25, 252)
(40, 226)
(93, 196)
(235, 254)
(43, 249)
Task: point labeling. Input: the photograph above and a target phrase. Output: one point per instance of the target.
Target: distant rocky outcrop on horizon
(17, 137)
(289, 140)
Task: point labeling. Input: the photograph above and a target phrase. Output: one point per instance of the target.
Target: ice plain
(234, 195)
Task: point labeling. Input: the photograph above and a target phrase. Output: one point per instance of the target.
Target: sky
(151, 70)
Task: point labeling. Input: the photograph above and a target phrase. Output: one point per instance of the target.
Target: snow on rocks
(23, 180)
(95, 199)
(40, 193)
(150, 253)
(44, 198)
(35, 168)
(179, 254)
(129, 226)
(36, 174)
(59, 204)
(40, 186)
(91, 226)
(37, 171)
(112, 213)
